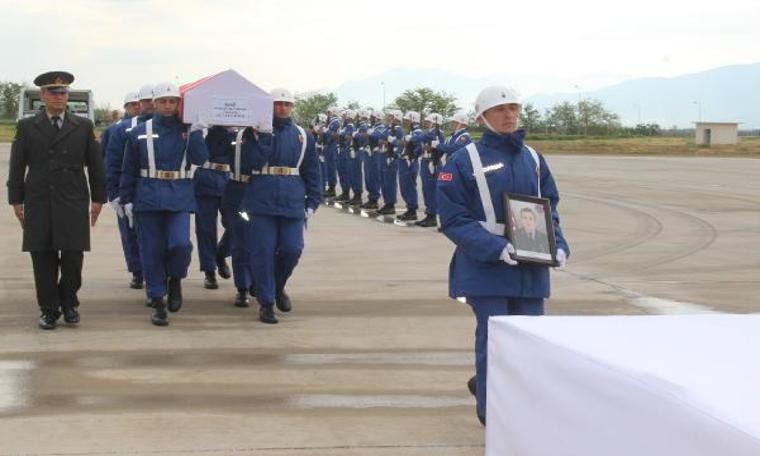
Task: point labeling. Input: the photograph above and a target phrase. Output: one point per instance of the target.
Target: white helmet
(332, 111)
(412, 116)
(434, 118)
(363, 114)
(322, 117)
(165, 90)
(397, 114)
(495, 96)
(350, 114)
(131, 97)
(461, 118)
(146, 92)
(284, 95)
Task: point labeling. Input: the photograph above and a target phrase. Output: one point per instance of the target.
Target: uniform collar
(165, 121)
(280, 123)
(512, 142)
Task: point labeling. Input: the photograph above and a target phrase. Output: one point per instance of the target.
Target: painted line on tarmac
(312, 401)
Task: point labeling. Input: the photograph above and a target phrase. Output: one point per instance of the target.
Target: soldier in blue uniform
(318, 128)
(345, 144)
(114, 157)
(157, 192)
(372, 160)
(459, 137)
(285, 191)
(470, 190)
(388, 158)
(331, 137)
(408, 166)
(210, 182)
(429, 163)
(356, 153)
(131, 109)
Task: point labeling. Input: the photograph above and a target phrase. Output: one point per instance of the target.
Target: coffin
(227, 99)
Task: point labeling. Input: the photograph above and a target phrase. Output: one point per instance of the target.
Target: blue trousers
(407, 181)
(342, 167)
(239, 234)
(129, 245)
(389, 178)
(165, 248)
(276, 246)
(206, 230)
(355, 171)
(371, 162)
(487, 306)
(428, 175)
(331, 157)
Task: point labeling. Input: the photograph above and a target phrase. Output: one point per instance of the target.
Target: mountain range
(724, 94)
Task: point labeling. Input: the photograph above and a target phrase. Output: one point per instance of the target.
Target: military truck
(80, 103)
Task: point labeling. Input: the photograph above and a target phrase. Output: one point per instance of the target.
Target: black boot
(252, 291)
(282, 300)
(137, 281)
(241, 298)
(210, 282)
(408, 216)
(342, 198)
(158, 317)
(369, 205)
(471, 384)
(329, 193)
(355, 201)
(175, 294)
(428, 221)
(221, 266)
(388, 209)
(266, 315)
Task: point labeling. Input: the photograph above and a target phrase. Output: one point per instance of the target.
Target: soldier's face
(503, 118)
(132, 109)
(282, 109)
(146, 107)
(166, 106)
(55, 101)
(528, 221)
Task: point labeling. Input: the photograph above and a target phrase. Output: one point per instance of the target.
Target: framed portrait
(530, 230)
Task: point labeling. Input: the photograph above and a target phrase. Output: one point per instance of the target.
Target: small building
(716, 133)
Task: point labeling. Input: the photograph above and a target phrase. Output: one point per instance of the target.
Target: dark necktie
(55, 120)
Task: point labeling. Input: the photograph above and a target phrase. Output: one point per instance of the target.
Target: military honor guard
(429, 163)
(284, 192)
(408, 166)
(157, 192)
(49, 192)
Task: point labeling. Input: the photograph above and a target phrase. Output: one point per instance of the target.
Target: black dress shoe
(48, 320)
(174, 300)
(159, 317)
(343, 197)
(408, 216)
(388, 209)
(137, 281)
(471, 384)
(70, 315)
(369, 205)
(428, 221)
(241, 299)
(282, 300)
(329, 193)
(223, 268)
(252, 291)
(355, 201)
(210, 282)
(266, 315)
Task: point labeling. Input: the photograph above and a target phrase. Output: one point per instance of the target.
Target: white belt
(276, 171)
(244, 178)
(165, 175)
(217, 166)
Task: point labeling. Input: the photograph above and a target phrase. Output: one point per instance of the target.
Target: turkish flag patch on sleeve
(446, 177)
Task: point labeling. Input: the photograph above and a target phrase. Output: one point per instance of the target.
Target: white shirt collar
(50, 116)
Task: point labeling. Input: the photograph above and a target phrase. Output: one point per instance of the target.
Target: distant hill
(730, 93)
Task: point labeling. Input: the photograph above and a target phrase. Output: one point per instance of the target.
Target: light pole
(580, 113)
(699, 110)
(382, 83)
(638, 113)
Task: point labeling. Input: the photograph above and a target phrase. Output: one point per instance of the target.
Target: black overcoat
(47, 176)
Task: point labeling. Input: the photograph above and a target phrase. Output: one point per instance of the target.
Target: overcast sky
(115, 46)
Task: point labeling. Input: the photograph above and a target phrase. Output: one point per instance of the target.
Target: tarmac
(373, 359)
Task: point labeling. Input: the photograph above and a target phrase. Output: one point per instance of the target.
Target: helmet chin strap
(490, 127)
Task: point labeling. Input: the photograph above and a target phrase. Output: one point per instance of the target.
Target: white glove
(408, 138)
(505, 255)
(130, 214)
(434, 143)
(390, 139)
(117, 207)
(264, 128)
(370, 131)
(199, 124)
(309, 213)
(561, 259)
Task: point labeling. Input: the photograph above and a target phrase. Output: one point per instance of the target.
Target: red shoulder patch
(446, 177)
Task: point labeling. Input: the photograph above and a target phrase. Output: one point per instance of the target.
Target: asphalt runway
(374, 357)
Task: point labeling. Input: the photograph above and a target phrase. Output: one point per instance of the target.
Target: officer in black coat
(49, 193)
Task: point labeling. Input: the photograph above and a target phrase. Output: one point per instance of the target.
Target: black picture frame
(538, 247)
